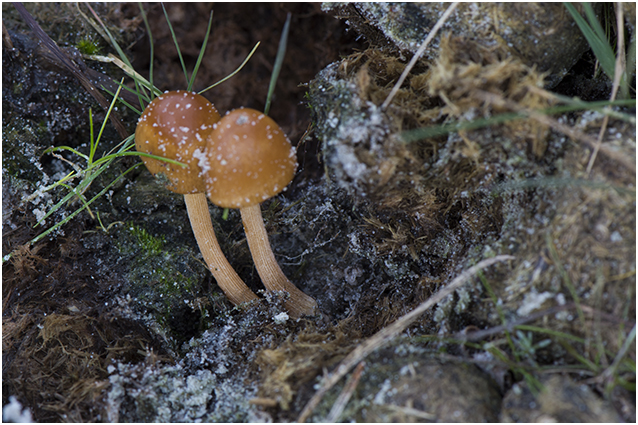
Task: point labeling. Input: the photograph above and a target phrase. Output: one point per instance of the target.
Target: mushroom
(175, 126)
(250, 160)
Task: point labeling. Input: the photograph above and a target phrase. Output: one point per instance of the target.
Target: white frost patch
(39, 215)
(242, 119)
(332, 120)
(349, 162)
(533, 301)
(202, 161)
(369, 129)
(13, 412)
(379, 398)
(281, 318)
(615, 236)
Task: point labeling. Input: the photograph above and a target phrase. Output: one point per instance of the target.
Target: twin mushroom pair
(239, 161)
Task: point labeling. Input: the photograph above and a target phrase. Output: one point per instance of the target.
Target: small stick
(417, 55)
(346, 393)
(411, 411)
(390, 332)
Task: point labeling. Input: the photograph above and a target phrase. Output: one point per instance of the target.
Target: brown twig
(6, 38)
(346, 393)
(387, 334)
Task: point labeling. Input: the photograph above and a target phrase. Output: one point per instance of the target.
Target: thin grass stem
(235, 71)
(568, 282)
(103, 126)
(66, 148)
(279, 60)
(550, 332)
(191, 83)
(574, 105)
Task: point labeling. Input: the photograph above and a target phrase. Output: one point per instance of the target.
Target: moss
(152, 245)
(164, 282)
(87, 46)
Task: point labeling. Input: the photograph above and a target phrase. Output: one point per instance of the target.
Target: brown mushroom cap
(175, 126)
(250, 159)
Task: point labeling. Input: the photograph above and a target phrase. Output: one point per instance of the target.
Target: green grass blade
(62, 182)
(627, 344)
(88, 176)
(556, 182)
(108, 114)
(572, 105)
(116, 46)
(91, 135)
(124, 102)
(191, 83)
(114, 43)
(550, 332)
(574, 353)
(234, 72)
(279, 60)
(79, 210)
(137, 78)
(125, 145)
(434, 131)
(595, 37)
(54, 208)
(499, 310)
(593, 21)
(146, 155)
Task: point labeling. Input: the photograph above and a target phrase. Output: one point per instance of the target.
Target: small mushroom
(175, 126)
(250, 160)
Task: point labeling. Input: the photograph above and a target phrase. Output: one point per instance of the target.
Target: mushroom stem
(199, 216)
(298, 304)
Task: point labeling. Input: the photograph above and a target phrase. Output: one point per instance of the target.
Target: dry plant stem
(435, 29)
(390, 332)
(346, 393)
(618, 71)
(232, 285)
(298, 304)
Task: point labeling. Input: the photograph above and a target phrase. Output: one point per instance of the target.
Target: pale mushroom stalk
(268, 269)
(250, 160)
(226, 277)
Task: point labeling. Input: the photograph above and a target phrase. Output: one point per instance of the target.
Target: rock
(561, 400)
(434, 391)
(540, 34)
